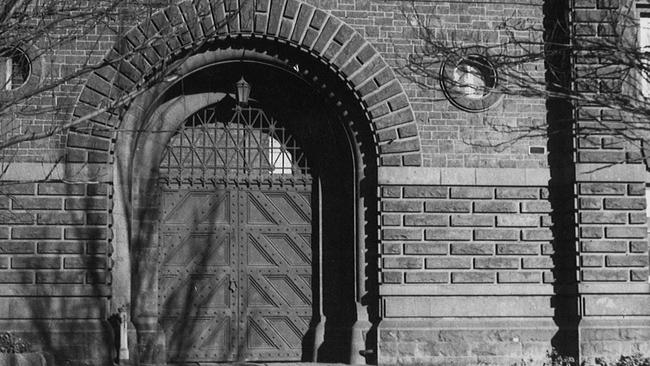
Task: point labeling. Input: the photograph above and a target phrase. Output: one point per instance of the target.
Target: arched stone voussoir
(185, 28)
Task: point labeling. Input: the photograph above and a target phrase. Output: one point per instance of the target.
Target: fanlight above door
(238, 143)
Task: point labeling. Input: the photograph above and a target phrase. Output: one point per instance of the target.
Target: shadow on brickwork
(60, 266)
(561, 186)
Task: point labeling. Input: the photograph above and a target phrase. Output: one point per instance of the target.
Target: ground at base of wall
(271, 364)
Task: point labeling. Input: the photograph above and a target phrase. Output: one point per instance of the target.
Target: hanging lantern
(243, 91)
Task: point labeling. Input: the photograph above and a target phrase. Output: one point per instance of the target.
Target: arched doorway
(361, 97)
(236, 250)
(249, 221)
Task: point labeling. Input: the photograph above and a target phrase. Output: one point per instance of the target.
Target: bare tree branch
(53, 25)
(522, 52)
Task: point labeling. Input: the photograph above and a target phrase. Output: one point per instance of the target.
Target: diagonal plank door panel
(235, 273)
(275, 234)
(197, 264)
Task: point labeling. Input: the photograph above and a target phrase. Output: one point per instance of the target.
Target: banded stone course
(460, 234)
(55, 268)
(611, 208)
(473, 342)
(56, 234)
(617, 204)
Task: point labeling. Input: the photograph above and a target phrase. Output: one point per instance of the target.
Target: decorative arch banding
(188, 25)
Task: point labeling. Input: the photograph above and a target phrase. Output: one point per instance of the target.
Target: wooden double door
(235, 272)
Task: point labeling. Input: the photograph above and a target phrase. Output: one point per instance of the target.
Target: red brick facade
(472, 254)
(612, 231)
(442, 234)
(56, 265)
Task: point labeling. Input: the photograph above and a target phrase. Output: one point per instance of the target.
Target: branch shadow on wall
(197, 304)
(63, 269)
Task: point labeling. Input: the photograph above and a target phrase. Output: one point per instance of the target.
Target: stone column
(144, 253)
(611, 211)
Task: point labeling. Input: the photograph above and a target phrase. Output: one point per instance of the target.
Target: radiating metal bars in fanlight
(248, 144)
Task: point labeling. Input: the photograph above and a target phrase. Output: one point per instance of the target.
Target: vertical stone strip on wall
(466, 266)
(145, 261)
(612, 246)
(55, 267)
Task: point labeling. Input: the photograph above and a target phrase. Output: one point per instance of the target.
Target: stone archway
(190, 25)
(362, 91)
(137, 156)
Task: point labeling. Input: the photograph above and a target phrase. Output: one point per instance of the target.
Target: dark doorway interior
(328, 148)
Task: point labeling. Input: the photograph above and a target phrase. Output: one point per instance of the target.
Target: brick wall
(459, 261)
(55, 265)
(449, 137)
(456, 234)
(612, 232)
(467, 268)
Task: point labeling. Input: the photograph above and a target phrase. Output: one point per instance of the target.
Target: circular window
(14, 68)
(468, 81)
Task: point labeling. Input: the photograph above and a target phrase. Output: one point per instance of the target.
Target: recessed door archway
(353, 81)
(339, 325)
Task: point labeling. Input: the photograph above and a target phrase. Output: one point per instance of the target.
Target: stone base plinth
(465, 341)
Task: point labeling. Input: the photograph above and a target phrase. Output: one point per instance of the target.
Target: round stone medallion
(469, 80)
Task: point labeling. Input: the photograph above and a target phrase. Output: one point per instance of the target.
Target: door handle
(232, 286)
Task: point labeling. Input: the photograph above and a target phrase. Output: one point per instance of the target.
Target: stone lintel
(466, 323)
(614, 288)
(46, 307)
(511, 289)
(616, 305)
(59, 325)
(467, 306)
(464, 176)
(614, 322)
(56, 290)
(465, 289)
(610, 172)
(70, 172)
